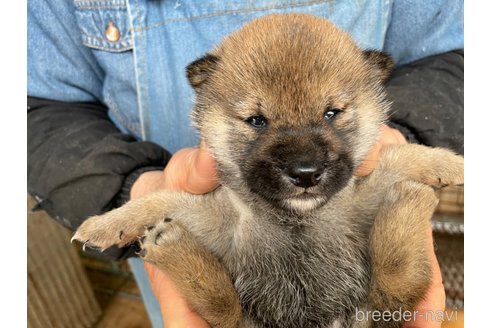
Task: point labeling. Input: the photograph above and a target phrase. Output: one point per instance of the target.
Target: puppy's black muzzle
(304, 175)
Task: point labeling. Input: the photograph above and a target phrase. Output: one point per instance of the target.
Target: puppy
(290, 106)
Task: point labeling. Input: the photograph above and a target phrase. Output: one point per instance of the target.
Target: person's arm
(427, 100)
(79, 164)
(427, 108)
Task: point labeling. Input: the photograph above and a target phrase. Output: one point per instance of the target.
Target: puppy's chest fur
(307, 274)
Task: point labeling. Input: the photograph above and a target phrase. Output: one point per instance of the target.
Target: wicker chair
(448, 229)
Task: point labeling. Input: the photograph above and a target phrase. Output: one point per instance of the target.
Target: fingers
(174, 309)
(391, 136)
(192, 170)
(435, 298)
(387, 136)
(202, 174)
(370, 162)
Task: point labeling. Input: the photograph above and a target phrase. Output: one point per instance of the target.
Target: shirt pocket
(104, 24)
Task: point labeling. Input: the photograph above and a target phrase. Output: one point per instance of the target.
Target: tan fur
(198, 275)
(233, 234)
(252, 67)
(396, 255)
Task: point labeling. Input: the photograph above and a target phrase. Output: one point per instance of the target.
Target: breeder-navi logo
(406, 315)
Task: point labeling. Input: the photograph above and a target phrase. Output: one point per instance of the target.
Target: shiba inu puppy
(289, 107)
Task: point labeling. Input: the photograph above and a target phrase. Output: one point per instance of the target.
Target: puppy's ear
(381, 62)
(201, 69)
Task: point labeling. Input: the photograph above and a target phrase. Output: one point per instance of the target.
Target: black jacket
(80, 164)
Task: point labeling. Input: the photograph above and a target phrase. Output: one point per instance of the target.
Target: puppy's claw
(149, 228)
(158, 236)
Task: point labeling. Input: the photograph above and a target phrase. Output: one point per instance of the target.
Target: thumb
(370, 162)
(387, 136)
(192, 170)
(202, 171)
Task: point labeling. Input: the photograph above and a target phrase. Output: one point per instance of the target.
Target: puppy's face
(289, 106)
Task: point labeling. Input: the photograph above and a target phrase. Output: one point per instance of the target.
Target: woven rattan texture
(448, 228)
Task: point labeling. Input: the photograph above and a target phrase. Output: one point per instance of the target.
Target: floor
(117, 293)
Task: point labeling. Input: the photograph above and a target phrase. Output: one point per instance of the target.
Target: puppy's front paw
(106, 230)
(447, 169)
(435, 167)
(125, 224)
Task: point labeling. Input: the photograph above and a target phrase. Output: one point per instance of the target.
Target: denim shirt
(131, 54)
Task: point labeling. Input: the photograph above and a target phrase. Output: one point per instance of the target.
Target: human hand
(388, 136)
(192, 170)
(176, 313)
(434, 299)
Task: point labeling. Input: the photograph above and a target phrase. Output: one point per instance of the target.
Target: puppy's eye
(257, 121)
(331, 113)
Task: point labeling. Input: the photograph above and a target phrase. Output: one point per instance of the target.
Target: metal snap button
(112, 32)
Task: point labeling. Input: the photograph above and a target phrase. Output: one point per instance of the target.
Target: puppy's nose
(305, 176)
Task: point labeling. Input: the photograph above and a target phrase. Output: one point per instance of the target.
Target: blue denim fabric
(185, 32)
(141, 76)
(420, 29)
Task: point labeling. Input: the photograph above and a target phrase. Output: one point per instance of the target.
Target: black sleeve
(79, 164)
(427, 98)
